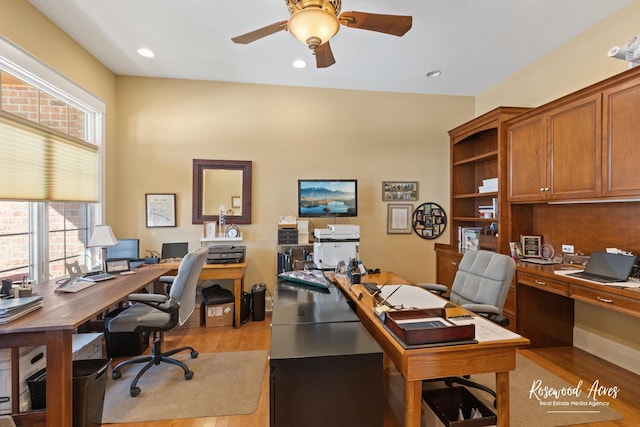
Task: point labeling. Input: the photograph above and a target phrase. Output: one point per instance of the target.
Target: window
(38, 238)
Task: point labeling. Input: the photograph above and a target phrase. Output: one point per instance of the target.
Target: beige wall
(579, 63)
(288, 133)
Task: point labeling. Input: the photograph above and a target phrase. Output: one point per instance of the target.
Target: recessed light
(299, 63)
(147, 53)
(434, 73)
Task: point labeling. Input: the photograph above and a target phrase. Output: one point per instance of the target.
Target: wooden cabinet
(447, 262)
(478, 150)
(621, 149)
(583, 146)
(556, 155)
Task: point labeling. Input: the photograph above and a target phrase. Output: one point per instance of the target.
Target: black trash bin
(258, 298)
(89, 386)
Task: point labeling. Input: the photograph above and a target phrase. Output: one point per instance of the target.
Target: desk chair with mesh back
(154, 313)
(481, 285)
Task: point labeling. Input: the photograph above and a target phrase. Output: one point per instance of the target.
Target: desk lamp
(102, 237)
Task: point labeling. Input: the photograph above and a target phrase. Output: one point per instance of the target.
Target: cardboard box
(219, 315)
(195, 320)
(87, 346)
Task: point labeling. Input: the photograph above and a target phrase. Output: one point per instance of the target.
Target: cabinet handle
(540, 282)
(454, 263)
(546, 188)
(607, 300)
(541, 189)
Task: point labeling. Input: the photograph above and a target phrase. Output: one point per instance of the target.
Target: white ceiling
(476, 43)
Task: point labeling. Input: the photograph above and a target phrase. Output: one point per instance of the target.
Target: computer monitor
(125, 249)
(174, 250)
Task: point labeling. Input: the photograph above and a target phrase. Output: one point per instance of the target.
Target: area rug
(539, 398)
(223, 384)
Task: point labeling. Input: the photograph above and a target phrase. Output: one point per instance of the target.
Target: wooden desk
(233, 272)
(53, 326)
(545, 302)
(416, 365)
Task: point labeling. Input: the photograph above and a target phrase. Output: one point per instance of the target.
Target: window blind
(38, 163)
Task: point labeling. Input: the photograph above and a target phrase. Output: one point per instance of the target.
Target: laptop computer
(604, 267)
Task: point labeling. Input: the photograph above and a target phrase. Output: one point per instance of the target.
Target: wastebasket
(257, 296)
(89, 386)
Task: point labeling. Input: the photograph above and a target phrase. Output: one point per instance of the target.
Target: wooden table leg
(59, 378)
(237, 292)
(412, 403)
(502, 390)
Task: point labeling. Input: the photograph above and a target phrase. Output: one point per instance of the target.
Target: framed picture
(161, 210)
(117, 265)
(399, 191)
(399, 219)
(531, 246)
(210, 229)
(429, 220)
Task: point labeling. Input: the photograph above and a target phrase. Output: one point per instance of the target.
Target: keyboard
(98, 277)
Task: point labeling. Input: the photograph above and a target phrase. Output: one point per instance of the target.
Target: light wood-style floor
(569, 363)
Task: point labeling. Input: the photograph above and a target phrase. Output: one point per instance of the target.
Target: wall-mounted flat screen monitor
(327, 198)
(125, 249)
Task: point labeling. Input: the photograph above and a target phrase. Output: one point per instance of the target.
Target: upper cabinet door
(574, 150)
(621, 146)
(527, 160)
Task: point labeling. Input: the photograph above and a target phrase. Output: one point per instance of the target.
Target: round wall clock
(232, 231)
(429, 220)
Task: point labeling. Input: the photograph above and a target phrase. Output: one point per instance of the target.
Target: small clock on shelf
(232, 231)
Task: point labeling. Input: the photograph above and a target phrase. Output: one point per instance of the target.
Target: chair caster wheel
(134, 391)
(116, 374)
(194, 354)
(188, 375)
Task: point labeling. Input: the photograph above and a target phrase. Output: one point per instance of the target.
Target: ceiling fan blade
(395, 25)
(324, 56)
(260, 33)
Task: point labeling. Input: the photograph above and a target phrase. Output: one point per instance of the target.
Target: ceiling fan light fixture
(313, 26)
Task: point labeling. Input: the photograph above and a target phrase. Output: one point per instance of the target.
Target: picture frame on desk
(531, 246)
(210, 229)
(160, 209)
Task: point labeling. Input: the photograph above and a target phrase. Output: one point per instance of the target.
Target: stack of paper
(12, 308)
(488, 185)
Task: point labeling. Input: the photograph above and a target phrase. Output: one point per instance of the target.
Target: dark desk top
(321, 339)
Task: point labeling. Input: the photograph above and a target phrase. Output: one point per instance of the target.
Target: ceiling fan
(314, 22)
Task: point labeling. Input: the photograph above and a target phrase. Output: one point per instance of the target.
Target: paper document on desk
(486, 330)
(408, 296)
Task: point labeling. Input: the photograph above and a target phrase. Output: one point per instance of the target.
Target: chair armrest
(481, 308)
(149, 298)
(489, 311)
(433, 287)
(166, 279)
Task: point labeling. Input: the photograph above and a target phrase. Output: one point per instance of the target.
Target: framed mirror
(221, 183)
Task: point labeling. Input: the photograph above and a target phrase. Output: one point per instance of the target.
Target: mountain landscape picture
(327, 198)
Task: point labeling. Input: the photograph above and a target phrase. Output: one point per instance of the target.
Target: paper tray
(435, 329)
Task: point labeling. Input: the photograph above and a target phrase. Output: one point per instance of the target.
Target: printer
(225, 254)
(338, 242)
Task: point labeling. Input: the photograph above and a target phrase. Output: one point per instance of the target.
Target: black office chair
(481, 285)
(154, 313)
